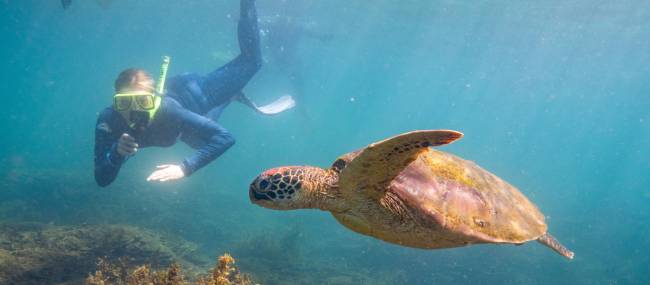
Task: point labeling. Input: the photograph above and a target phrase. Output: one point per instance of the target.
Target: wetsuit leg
(215, 113)
(220, 85)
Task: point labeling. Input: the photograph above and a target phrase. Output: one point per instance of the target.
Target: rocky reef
(56, 223)
(45, 254)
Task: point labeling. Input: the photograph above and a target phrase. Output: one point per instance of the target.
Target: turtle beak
(260, 191)
(256, 192)
(256, 196)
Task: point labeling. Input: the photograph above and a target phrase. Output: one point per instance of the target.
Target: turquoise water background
(552, 96)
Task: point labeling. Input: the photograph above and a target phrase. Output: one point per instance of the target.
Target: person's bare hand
(166, 172)
(126, 145)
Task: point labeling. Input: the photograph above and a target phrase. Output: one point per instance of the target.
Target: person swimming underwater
(191, 105)
(102, 3)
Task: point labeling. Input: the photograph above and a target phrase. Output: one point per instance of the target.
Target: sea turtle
(401, 191)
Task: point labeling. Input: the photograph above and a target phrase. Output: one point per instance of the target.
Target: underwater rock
(45, 254)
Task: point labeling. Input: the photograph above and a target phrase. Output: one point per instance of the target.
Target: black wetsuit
(188, 111)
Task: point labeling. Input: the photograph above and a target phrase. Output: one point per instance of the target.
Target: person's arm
(217, 141)
(209, 139)
(107, 159)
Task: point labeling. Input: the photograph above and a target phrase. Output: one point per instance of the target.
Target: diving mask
(140, 107)
(142, 100)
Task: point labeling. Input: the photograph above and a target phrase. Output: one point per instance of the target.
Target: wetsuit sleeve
(107, 160)
(232, 77)
(217, 140)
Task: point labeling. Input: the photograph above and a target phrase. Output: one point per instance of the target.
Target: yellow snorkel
(160, 85)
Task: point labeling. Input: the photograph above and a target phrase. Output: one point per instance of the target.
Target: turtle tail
(548, 240)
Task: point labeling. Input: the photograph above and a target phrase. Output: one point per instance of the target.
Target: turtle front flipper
(380, 162)
(548, 240)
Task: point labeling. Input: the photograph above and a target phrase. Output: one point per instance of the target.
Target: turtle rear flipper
(548, 240)
(377, 164)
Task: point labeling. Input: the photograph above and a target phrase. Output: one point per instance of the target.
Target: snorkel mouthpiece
(139, 119)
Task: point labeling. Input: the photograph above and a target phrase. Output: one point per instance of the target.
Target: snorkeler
(141, 116)
(285, 31)
(102, 3)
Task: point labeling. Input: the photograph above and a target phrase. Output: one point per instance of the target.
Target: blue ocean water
(552, 96)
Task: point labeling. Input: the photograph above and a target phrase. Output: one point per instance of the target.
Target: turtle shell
(407, 193)
(465, 199)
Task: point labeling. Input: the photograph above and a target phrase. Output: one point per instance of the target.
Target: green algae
(35, 253)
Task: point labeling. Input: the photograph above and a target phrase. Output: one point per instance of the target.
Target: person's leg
(249, 32)
(220, 85)
(215, 113)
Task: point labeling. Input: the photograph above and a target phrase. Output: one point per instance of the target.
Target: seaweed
(224, 273)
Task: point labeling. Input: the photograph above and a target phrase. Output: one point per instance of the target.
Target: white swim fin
(280, 105)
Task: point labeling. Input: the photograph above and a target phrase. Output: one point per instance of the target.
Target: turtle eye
(263, 184)
(338, 165)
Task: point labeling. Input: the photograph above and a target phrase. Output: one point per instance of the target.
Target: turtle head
(290, 187)
(279, 188)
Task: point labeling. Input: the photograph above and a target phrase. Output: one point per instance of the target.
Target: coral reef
(45, 254)
(224, 273)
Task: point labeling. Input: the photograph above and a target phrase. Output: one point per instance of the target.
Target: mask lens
(122, 103)
(145, 101)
